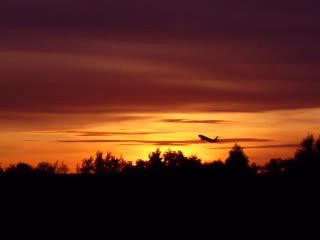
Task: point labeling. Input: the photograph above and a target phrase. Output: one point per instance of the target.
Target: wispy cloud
(111, 133)
(182, 120)
(162, 142)
(262, 146)
(139, 142)
(51, 123)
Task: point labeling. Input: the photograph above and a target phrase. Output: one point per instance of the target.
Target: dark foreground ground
(159, 207)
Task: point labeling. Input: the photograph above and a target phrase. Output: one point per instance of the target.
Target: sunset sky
(129, 76)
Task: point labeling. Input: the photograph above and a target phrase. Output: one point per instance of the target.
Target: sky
(129, 76)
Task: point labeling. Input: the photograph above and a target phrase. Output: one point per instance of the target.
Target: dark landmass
(170, 196)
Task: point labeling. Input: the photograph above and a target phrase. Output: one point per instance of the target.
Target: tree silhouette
(45, 168)
(317, 149)
(307, 157)
(173, 159)
(101, 165)
(237, 162)
(61, 168)
(19, 169)
(317, 145)
(1, 170)
(191, 163)
(215, 167)
(306, 152)
(87, 166)
(255, 169)
(78, 169)
(274, 167)
(141, 165)
(113, 164)
(155, 159)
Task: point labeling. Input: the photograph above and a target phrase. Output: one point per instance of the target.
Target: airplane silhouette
(207, 139)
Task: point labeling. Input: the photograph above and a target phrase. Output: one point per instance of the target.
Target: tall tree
(46, 168)
(20, 169)
(155, 159)
(238, 161)
(173, 159)
(87, 166)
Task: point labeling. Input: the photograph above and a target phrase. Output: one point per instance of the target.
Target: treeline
(306, 161)
(43, 168)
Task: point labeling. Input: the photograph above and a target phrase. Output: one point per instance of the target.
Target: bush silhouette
(19, 169)
(61, 168)
(275, 167)
(141, 164)
(155, 160)
(173, 159)
(191, 163)
(87, 167)
(237, 162)
(306, 152)
(307, 157)
(45, 168)
(215, 166)
(100, 165)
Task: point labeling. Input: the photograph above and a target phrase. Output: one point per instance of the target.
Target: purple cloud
(136, 56)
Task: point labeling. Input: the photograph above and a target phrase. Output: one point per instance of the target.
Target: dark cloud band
(263, 146)
(134, 56)
(175, 120)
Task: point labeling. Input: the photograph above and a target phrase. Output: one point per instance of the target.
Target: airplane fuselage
(207, 139)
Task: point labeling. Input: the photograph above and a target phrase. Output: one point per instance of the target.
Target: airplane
(207, 139)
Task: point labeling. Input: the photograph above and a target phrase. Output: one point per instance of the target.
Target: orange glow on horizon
(35, 146)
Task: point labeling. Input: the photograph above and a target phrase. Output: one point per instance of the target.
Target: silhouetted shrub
(155, 160)
(114, 164)
(45, 168)
(307, 157)
(215, 168)
(141, 165)
(173, 159)
(100, 165)
(19, 169)
(191, 163)
(237, 162)
(255, 169)
(317, 145)
(109, 164)
(87, 166)
(317, 149)
(61, 168)
(306, 153)
(275, 167)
